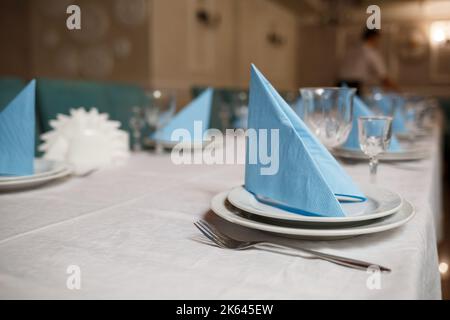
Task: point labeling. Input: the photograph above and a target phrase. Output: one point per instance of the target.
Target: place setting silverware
(224, 241)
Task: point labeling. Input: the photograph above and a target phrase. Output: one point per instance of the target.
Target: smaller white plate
(380, 203)
(404, 155)
(46, 171)
(225, 210)
(420, 134)
(184, 145)
(42, 168)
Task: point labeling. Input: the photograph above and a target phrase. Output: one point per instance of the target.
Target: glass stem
(373, 165)
(159, 149)
(137, 141)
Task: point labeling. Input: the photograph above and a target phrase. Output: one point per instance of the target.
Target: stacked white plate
(407, 153)
(384, 210)
(45, 172)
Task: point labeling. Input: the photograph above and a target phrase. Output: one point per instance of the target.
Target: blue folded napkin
(17, 131)
(198, 109)
(309, 180)
(360, 109)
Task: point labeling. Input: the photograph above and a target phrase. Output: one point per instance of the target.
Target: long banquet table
(129, 230)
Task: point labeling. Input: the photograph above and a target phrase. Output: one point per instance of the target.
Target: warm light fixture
(443, 268)
(440, 32)
(157, 94)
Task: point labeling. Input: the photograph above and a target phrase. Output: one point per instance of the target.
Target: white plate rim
(412, 154)
(301, 218)
(60, 167)
(184, 145)
(16, 184)
(218, 207)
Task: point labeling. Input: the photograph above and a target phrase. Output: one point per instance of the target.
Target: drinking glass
(137, 123)
(374, 134)
(328, 112)
(412, 111)
(240, 109)
(160, 110)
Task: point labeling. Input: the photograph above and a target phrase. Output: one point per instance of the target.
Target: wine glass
(240, 109)
(137, 123)
(328, 112)
(160, 110)
(412, 111)
(374, 134)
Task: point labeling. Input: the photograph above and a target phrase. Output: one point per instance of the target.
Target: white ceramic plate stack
(45, 171)
(384, 210)
(409, 152)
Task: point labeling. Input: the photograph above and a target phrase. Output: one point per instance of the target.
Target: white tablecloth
(130, 231)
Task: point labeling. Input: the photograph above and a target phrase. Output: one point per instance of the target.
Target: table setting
(293, 222)
(79, 144)
(330, 206)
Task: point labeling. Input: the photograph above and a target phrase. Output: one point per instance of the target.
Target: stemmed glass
(137, 123)
(240, 109)
(161, 108)
(412, 111)
(374, 137)
(328, 112)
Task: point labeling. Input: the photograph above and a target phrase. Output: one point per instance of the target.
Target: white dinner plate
(224, 209)
(407, 154)
(419, 134)
(45, 171)
(42, 168)
(184, 145)
(380, 203)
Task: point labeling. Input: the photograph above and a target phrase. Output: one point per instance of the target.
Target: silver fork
(224, 241)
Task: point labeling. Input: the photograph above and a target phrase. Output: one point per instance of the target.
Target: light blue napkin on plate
(17, 131)
(360, 109)
(309, 180)
(198, 109)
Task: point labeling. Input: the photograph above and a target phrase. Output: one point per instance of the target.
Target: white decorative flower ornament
(86, 139)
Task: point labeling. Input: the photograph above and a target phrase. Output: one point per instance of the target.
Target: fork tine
(212, 234)
(202, 239)
(209, 235)
(214, 230)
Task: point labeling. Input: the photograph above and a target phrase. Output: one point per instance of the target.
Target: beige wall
(165, 47)
(322, 44)
(168, 47)
(187, 53)
(108, 46)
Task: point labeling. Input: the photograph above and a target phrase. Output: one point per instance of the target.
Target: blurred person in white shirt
(364, 67)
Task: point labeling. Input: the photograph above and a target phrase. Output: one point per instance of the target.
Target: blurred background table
(130, 231)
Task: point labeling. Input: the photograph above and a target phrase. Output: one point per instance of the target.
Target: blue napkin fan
(198, 109)
(309, 180)
(398, 121)
(360, 109)
(17, 134)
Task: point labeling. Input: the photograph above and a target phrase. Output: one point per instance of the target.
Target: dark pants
(350, 83)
